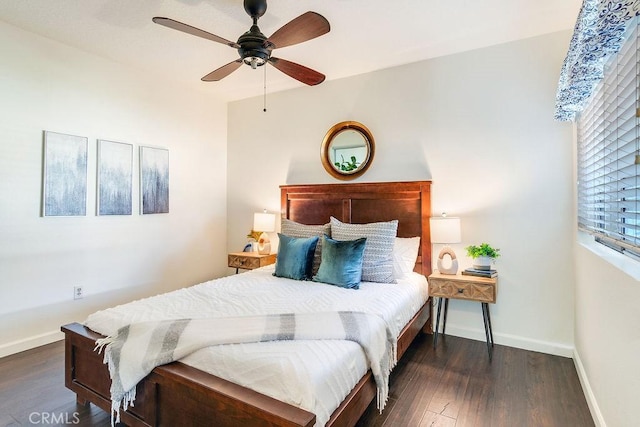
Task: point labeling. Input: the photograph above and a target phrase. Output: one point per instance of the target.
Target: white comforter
(313, 375)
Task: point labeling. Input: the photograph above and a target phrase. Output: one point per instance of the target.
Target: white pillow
(405, 253)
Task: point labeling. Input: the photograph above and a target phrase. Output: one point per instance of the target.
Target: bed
(179, 394)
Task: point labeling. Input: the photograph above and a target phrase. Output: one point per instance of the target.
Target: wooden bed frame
(177, 394)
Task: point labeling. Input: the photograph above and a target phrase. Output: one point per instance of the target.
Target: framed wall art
(64, 177)
(154, 180)
(115, 178)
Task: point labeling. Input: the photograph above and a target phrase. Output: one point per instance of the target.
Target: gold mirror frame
(329, 139)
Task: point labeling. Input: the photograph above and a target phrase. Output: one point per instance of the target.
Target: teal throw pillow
(341, 263)
(295, 257)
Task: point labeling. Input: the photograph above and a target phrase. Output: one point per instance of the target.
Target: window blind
(608, 131)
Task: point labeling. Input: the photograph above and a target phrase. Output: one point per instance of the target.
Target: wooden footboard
(173, 394)
(177, 394)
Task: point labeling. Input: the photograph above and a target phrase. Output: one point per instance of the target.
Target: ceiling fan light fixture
(255, 62)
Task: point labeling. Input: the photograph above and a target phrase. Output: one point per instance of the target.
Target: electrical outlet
(77, 292)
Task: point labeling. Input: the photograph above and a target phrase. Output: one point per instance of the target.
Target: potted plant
(483, 255)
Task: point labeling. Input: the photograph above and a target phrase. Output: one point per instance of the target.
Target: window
(609, 153)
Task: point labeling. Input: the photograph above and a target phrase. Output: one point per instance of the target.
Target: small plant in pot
(483, 255)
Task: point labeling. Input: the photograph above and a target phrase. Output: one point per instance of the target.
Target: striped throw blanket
(136, 349)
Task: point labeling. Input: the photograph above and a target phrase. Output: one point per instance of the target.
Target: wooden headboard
(408, 202)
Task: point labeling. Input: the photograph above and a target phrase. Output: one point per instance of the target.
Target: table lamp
(264, 222)
(446, 230)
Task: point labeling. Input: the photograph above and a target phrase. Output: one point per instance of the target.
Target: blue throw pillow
(341, 263)
(295, 257)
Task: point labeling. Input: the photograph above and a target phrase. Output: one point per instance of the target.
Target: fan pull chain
(264, 108)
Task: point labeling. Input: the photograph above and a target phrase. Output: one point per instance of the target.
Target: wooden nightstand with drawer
(471, 288)
(249, 260)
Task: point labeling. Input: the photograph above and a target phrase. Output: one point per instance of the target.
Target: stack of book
(480, 273)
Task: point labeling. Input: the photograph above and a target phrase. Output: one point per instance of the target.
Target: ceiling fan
(255, 48)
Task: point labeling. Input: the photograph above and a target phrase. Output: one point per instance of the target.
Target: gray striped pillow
(295, 229)
(377, 265)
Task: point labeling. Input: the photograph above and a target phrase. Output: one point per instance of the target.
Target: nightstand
(249, 260)
(481, 289)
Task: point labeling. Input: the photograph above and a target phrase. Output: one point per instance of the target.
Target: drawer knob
(460, 290)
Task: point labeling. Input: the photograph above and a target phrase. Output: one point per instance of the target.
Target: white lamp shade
(445, 230)
(263, 221)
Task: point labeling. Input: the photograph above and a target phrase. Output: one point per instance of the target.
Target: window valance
(599, 33)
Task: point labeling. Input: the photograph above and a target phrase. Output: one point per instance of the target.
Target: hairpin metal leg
(490, 328)
(487, 328)
(435, 333)
(446, 309)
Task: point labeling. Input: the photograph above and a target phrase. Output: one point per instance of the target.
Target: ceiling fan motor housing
(252, 48)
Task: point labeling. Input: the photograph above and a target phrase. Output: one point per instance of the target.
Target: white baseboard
(598, 419)
(547, 347)
(30, 342)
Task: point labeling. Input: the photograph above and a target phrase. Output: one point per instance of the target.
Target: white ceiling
(366, 35)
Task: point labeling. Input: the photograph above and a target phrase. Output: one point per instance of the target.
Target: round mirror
(347, 150)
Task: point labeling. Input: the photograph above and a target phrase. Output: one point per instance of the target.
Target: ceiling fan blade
(305, 27)
(222, 72)
(297, 71)
(185, 28)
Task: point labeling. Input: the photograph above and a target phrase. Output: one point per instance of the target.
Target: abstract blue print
(154, 180)
(115, 177)
(64, 175)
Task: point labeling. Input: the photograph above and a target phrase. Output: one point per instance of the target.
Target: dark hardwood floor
(454, 385)
(32, 391)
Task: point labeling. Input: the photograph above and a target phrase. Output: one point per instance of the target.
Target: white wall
(480, 125)
(49, 86)
(607, 335)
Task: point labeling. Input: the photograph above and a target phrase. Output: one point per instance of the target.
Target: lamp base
(264, 244)
(453, 268)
